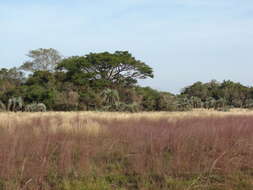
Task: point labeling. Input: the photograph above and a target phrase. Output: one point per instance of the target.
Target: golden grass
(6, 116)
(87, 121)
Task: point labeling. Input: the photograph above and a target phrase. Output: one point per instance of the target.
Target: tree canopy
(42, 60)
(108, 82)
(106, 68)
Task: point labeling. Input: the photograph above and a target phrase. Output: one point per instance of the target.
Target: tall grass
(78, 151)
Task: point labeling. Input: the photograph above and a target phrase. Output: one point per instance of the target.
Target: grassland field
(197, 150)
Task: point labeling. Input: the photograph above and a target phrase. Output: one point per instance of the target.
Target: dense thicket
(108, 81)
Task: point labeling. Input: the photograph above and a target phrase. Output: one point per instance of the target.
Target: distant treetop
(42, 60)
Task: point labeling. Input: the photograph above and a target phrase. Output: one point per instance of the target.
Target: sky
(184, 41)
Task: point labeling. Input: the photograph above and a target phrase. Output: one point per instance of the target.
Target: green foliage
(105, 69)
(220, 103)
(249, 103)
(111, 102)
(215, 95)
(90, 100)
(15, 104)
(184, 104)
(12, 75)
(38, 93)
(110, 97)
(134, 107)
(166, 102)
(10, 82)
(196, 102)
(149, 98)
(108, 81)
(210, 103)
(67, 100)
(198, 89)
(42, 78)
(2, 106)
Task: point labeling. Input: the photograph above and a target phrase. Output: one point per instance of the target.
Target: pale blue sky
(183, 40)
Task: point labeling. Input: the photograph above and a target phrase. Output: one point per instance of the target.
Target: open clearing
(101, 150)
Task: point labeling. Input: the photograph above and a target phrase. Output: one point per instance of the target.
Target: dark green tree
(166, 102)
(105, 69)
(198, 89)
(149, 98)
(11, 81)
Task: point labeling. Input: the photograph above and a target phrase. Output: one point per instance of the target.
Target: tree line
(108, 82)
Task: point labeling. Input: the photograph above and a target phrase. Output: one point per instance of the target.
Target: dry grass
(7, 118)
(95, 150)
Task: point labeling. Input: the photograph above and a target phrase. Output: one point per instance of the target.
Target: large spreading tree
(107, 69)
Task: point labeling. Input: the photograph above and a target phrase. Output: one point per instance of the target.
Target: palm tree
(184, 104)
(195, 102)
(2, 106)
(134, 107)
(210, 103)
(110, 98)
(15, 104)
